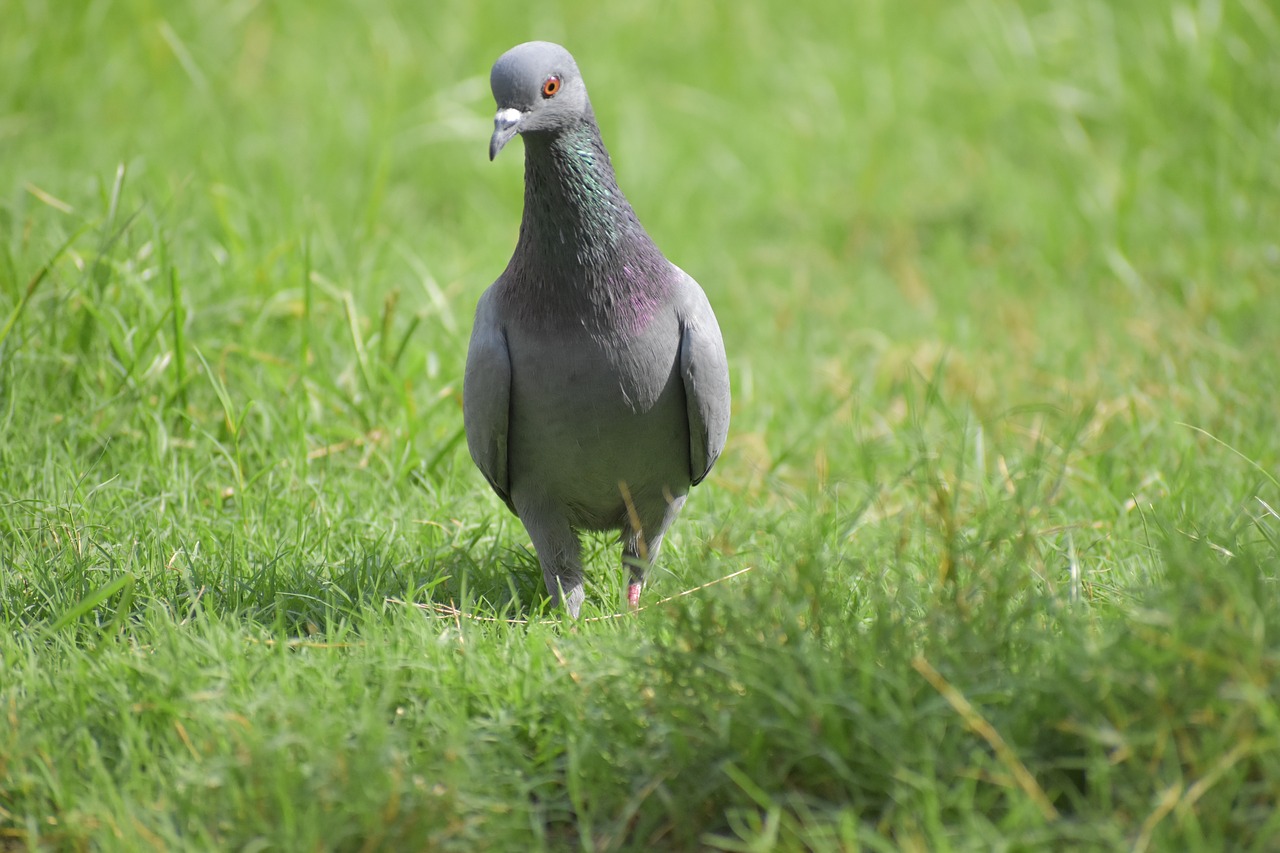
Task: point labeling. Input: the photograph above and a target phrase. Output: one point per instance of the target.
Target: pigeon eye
(551, 86)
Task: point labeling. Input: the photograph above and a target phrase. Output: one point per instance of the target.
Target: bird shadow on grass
(505, 583)
(300, 599)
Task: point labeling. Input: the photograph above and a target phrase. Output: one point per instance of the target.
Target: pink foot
(633, 596)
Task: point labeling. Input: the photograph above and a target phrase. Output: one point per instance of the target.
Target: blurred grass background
(998, 284)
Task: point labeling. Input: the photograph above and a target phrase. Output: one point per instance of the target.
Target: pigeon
(596, 390)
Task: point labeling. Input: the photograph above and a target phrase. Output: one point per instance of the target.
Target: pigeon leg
(640, 548)
(560, 554)
(636, 567)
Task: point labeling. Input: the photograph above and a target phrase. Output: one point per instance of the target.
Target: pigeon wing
(486, 398)
(705, 372)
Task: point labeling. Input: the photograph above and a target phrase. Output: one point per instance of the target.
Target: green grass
(999, 286)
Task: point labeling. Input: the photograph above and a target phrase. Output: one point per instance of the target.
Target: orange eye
(551, 86)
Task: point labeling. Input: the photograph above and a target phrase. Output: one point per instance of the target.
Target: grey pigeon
(597, 389)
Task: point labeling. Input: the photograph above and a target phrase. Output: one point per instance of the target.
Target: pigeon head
(538, 89)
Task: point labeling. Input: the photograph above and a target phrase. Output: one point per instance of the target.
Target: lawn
(990, 561)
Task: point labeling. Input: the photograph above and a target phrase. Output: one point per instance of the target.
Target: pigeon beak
(505, 125)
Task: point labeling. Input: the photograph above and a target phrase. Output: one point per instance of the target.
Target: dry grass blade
(452, 612)
(975, 721)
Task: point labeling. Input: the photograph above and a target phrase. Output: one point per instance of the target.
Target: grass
(998, 285)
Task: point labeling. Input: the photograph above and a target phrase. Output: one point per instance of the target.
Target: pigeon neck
(582, 258)
(575, 216)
